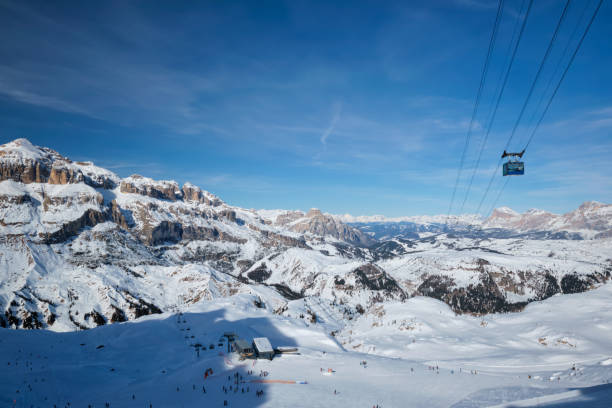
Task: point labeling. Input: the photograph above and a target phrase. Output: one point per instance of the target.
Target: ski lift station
(259, 348)
(243, 348)
(263, 348)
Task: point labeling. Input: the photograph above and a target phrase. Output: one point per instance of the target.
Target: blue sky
(351, 107)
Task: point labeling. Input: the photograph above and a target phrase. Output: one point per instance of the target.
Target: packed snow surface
(419, 354)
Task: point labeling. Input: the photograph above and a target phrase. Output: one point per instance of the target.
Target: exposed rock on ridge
(76, 253)
(25, 163)
(317, 223)
(592, 220)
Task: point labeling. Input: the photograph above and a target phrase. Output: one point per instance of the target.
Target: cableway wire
(485, 69)
(587, 5)
(537, 77)
(569, 64)
(499, 97)
(508, 53)
(499, 82)
(529, 94)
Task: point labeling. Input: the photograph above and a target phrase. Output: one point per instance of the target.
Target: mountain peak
(314, 212)
(25, 162)
(23, 149)
(21, 142)
(504, 211)
(591, 205)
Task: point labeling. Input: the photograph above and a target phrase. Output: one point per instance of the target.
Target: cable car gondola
(513, 167)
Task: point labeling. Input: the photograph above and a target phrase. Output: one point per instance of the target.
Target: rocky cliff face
(63, 219)
(163, 190)
(81, 247)
(195, 193)
(317, 223)
(25, 163)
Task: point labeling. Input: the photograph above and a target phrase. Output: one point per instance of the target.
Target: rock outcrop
(372, 277)
(479, 298)
(591, 220)
(317, 223)
(23, 162)
(195, 193)
(164, 190)
(71, 228)
(80, 247)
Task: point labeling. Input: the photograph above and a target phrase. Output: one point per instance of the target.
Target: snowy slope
(126, 276)
(454, 361)
(81, 247)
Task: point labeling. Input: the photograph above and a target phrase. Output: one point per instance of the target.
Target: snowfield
(115, 292)
(418, 354)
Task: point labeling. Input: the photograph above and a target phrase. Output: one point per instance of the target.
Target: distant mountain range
(82, 247)
(464, 219)
(592, 220)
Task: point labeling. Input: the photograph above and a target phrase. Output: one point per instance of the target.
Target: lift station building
(263, 348)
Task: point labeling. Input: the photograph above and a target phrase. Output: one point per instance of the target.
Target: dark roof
(242, 344)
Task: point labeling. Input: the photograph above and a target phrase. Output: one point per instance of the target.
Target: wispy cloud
(10, 88)
(585, 120)
(246, 106)
(337, 111)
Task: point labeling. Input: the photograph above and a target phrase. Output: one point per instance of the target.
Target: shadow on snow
(150, 362)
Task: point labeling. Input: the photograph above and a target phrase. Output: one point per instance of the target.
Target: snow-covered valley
(123, 276)
(419, 354)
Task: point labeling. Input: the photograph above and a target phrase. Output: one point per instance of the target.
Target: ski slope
(454, 362)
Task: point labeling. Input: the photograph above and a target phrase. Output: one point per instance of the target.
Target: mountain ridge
(591, 220)
(81, 247)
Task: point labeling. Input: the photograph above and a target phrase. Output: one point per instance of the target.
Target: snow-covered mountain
(315, 222)
(464, 219)
(591, 220)
(82, 247)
